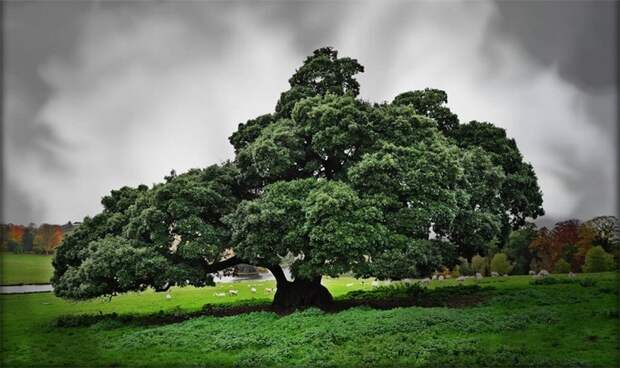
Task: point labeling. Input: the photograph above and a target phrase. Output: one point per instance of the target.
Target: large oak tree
(338, 184)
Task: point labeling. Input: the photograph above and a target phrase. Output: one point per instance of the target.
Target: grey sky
(98, 95)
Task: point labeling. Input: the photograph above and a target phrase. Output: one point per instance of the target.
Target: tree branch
(227, 263)
(278, 273)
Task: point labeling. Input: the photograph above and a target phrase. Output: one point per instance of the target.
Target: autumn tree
(47, 238)
(606, 234)
(545, 250)
(568, 240)
(328, 181)
(15, 237)
(4, 237)
(587, 236)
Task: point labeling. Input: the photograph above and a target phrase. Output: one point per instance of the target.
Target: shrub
(18, 249)
(480, 264)
(464, 267)
(597, 260)
(500, 264)
(561, 266)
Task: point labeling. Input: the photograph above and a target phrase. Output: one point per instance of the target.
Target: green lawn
(519, 324)
(25, 269)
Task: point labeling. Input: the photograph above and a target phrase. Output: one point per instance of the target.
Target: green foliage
(597, 260)
(587, 282)
(464, 268)
(480, 264)
(520, 193)
(561, 266)
(500, 264)
(430, 102)
(338, 183)
(517, 248)
(149, 237)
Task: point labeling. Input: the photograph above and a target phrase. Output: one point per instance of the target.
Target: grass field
(25, 269)
(518, 324)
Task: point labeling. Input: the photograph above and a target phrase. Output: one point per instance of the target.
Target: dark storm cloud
(120, 93)
(579, 37)
(34, 32)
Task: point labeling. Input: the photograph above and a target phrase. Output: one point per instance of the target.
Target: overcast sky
(101, 95)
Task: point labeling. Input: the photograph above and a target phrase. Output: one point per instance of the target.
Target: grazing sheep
(233, 292)
(494, 274)
(350, 284)
(425, 281)
(478, 276)
(253, 290)
(168, 296)
(440, 277)
(268, 290)
(375, 283)
(532, 273)
(220, 294)
(571, 275)
(543, 273)
(434, 277)
(460, 278)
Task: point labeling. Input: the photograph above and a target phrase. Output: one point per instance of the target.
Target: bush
(500, 264)
(464, 268)
(555, 281)
(561, 266)
(597, 260)
(480, 264)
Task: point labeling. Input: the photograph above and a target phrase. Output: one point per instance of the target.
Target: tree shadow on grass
(388, 297)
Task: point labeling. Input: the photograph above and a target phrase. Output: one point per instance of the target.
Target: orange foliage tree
(543, 248)
(587, 236)
(15, 235)
(569, 240)
(47, 238)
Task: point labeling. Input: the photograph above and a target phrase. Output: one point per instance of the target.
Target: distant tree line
(42, 239)
(570, 246)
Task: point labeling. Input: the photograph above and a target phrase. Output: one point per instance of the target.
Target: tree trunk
(299, 293)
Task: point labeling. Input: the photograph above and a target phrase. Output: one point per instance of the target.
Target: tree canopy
(336, 183)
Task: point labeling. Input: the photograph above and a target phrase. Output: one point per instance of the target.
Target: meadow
(558, 322)
(25, 269)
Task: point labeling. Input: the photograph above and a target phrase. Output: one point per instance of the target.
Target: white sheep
(425, 281)
(532, 272)
(253, 290)
(460, 278)
(543, 273)
(168, 296)
(571, 275)
(434, 277)
(220, 294)
(349, 284)
(440, 277)
(494, 274)
(375, 283)
(478, 276)
(232, 292)
(268, 290)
